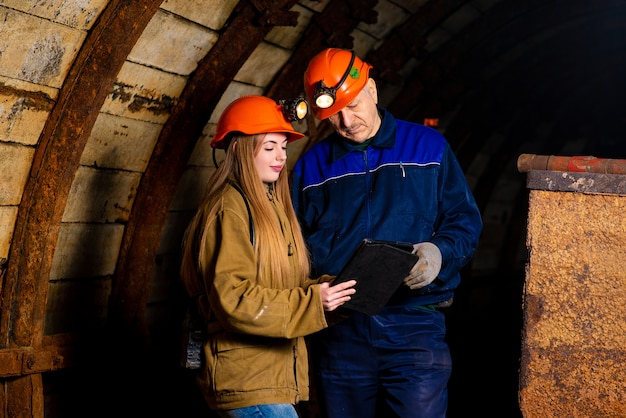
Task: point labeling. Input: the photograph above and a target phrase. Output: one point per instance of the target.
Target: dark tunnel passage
(536, 77)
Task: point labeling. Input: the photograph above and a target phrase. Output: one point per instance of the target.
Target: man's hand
(335, 296)
(427, 267)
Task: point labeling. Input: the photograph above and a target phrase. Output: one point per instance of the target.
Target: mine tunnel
(107, 109)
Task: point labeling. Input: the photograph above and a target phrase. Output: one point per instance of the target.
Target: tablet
(379, 268)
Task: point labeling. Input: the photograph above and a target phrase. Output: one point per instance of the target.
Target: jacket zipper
(368, 191)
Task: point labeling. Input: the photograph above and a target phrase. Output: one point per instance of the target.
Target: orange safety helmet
(251, 115)
(333, 79)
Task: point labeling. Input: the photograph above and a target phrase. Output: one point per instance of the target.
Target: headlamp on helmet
(333, 78)
(324, 96)
(294, 110)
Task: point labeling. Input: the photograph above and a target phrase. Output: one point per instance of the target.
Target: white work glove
(427, 267)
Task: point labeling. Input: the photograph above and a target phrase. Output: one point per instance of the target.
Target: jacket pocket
(243, 364)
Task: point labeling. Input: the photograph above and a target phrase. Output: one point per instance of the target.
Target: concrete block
(86, 250)
(24, 108)
(79, 14)
(390, 16)
(8, 215)
(172, 44)
(363, 42)
(190, 189)
(462, 18)
(202, 154)
(233, 91)
(143, 93)
(220, 11)
(15, 164)
(262, 65)
(101, 195)
(317, 5)
(120, 143)
(77, 305)
(36, 50)
(411, 5)
(172, 237)
(288, 36)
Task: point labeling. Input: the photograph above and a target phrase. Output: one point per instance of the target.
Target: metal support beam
(577, 164)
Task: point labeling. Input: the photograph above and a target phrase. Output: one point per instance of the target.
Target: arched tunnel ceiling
(503, 77)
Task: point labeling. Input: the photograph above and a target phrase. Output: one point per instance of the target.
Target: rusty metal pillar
(24, 350)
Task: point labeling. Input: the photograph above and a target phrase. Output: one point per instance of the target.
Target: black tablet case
(379, 268)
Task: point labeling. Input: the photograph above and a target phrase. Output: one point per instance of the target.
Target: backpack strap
(245, 200)
(196, 329)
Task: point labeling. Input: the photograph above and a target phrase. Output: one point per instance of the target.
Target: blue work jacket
(406, 186)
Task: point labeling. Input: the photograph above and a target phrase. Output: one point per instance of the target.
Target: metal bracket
(25, 361)
(270, 15)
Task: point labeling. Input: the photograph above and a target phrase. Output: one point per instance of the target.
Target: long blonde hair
(238, 167)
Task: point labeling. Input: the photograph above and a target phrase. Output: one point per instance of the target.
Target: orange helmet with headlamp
(333, 79)
(251, 115)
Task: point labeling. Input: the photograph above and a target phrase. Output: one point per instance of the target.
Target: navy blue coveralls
(405, 186)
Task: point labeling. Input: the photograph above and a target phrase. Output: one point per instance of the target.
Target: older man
(382, 178)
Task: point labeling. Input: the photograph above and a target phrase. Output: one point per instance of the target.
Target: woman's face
(272, 156)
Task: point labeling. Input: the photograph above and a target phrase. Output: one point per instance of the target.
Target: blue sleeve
(459, 222)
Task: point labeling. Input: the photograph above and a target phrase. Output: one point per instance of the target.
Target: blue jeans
(261, 411)
(394, 364)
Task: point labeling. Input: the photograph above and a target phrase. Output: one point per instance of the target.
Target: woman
(245, 261)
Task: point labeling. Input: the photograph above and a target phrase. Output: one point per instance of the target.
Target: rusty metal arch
(56, 159)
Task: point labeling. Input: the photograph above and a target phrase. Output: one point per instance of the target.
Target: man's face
(359, 120)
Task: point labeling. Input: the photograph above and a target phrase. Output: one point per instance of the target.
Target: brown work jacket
(258, 353)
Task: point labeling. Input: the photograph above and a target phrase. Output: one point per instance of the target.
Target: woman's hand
(335, 296)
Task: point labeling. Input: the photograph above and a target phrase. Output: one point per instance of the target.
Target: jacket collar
(384, 138)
